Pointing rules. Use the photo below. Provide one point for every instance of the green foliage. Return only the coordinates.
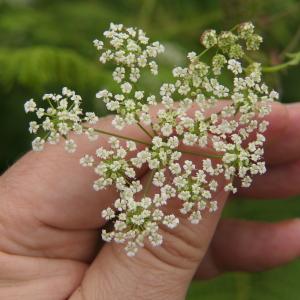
(23, 67)
(279, 284)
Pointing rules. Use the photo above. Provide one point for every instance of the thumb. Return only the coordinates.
(163, 272)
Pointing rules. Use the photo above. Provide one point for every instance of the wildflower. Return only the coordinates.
(62, 117)
(139, 52)
(228, 137)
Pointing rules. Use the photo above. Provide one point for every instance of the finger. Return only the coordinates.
(251, 247)
(283, 135)
(168, 269)
(56, 189)
(22, 235)
(280, 181)
(31, 278)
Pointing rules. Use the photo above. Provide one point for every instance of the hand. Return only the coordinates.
(50, 220)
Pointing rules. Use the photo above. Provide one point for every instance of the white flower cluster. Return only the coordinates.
(63, 116)
(113, 167)
(195, 190)
(199, 116)
(231, 43)
(130, 50)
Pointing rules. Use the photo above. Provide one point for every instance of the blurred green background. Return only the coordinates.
(47, 44)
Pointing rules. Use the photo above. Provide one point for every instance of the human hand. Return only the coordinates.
(49, 224)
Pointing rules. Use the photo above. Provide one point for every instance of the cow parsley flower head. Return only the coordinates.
(130, 49)
(63, 116)
(198, 116)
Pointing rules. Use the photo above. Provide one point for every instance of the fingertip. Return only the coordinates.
(278, 120)
(283, 131)
(293, 110)
(250, 246)
(292, 230)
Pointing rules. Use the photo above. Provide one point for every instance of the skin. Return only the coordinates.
(50, 218)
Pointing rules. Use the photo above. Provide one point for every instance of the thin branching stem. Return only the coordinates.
(119, 136)
(200, 154)
(204, 51)
(148, 184)
(276, 68)
(144, 130)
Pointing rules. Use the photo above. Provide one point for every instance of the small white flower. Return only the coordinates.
(33, 127)
(30, 106)
(170, 221)
(213, 206)
(131, 249)
(87, 161)
(235, 66)
(139, 95)
(191, 55)
(91, 118)
(167, 129)
(98, 44)
(153, 67)
(155, 239)
(92, 134)
(38, 144)
(70, 146)
(40, 113)
(107, 236)
(126, 87)
(131, 146)
(195, 217)
(108, 214)
(103, 94)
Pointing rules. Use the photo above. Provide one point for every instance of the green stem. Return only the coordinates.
(119, 136)
(50, 103)
(207, 49)
(144, 130)
(148, 144)
(292, 44)
(201, 154)
(148, 184)
(276, 68)
(234, 27)
(154, 131)
(203, 52)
